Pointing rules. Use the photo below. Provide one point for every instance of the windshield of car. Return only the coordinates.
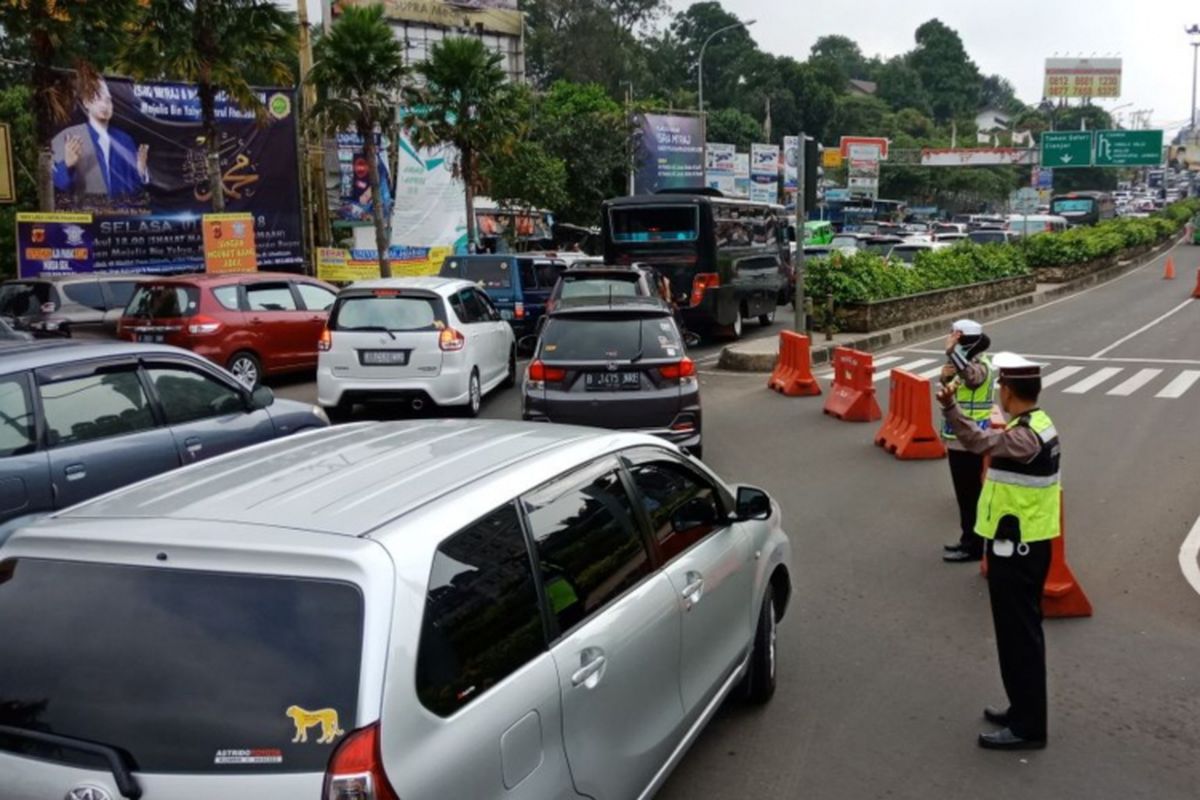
(988, 237)
(880, 247)
(655, 223)
(845, 241)
(158, 300)
(610, 338)
(185, 670)
(24, 299)
(907, 254)
(612, 285)
(388, 310)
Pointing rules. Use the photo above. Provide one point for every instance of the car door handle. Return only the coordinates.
(588, 674)
(692, 591)
(256, 321)
(193, 446)
(75, 472)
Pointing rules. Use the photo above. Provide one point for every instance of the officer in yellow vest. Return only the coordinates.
(1018, 515)
(968, 368)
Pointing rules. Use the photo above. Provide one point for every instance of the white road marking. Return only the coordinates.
(1092, 381)
(1188, 552)
(909, 367)
(1140, 379)
(1143, 329)
(1181, 384)
(930, 373)
(1060, 375)
(879, 362)
(1186, 362)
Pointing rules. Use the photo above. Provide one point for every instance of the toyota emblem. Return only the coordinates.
(88, 791)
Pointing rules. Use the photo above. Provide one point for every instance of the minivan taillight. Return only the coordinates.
(684, 369)
(355, 769)
(519, 311)
(702, 283)
(451, 340)
(538, 371)
(203, 325)
(326, 340)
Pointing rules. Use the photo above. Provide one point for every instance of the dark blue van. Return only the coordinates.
(518, 285)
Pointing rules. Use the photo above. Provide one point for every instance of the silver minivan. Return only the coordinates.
(428, 609)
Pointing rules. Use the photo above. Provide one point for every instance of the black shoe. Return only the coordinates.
(995, 716)
(1005, 739)
(959, 556)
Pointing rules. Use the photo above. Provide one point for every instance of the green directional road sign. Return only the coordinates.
(1066, 149)
(1129, 148)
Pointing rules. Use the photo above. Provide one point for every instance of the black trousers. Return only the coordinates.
(966, 471)
(1015, 586)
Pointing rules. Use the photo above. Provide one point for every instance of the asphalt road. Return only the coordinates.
(887, 655)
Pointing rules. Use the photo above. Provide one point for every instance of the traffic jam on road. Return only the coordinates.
(403, 405)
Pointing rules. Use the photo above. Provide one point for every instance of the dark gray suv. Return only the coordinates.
(621, 364)
(78, 419)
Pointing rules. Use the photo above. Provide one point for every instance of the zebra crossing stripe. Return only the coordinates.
(929, 373)
(1136, 382)
(1181, 384)
(1092, 381)
(910, 366)
(1059, 375)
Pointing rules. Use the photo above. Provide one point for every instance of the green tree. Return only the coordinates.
(219, 45)
(68, 42)
(843, 52)
(995, 91)
(731, 126)
(726, 57)
(858, 115)
(950, 78)
(464, 102)
(359, 73)
(900, 85)
(525, 176)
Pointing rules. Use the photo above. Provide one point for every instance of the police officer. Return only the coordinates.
(969, 369)
(1018, 515)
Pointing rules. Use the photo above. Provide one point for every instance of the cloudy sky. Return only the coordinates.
(1009, 37)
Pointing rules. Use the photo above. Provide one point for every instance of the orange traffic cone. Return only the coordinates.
(1169, 269)
(1196, 291)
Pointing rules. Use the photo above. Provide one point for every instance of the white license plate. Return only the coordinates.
(384, 358)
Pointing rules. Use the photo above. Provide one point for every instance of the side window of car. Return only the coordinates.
(472, 308)
(482, 621)
(683, 508)
(589, 549)
(316, 298)
(456, 304)
(548, 272)
(16, 417)
(187, 395)
(270, 297)
(227, 296)
(110, 403)
(528, 274)
(119, 292)
(85, 293)
(489, 311)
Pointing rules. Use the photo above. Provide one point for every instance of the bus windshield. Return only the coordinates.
(655, 223)
(1082, 205)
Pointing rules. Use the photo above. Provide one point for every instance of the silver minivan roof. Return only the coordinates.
(346, 480)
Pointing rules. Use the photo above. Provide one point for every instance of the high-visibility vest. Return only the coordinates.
(976, 404)
(1029, 491)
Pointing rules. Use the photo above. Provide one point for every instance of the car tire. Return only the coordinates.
(758, 686)
(246, 367)
(768, 319)
(474, 396)
(697, 452)
(510, 380)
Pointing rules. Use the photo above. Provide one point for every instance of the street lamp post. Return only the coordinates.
(700, 89)
(1195, 33)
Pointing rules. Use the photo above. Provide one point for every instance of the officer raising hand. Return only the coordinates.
(1018, 516)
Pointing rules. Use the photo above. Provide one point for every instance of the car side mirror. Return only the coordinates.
(261, 398)
(752, 503)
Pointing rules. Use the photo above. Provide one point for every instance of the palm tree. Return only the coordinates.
(463, 102)
(219, 45)
(359, 72)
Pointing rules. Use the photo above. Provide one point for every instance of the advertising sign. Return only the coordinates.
(764, 173)
(670, 153)
(1042, 178)
(831, 158)
(791, 158)
(862, 178)
(362, 263)
(429, 206)
(721, 170)
(1082, 77)
(8, 188)
(879, 143)
(133, 156)
(741, 175)
(1185, 156)
(229, 243)
(337, 265)
(975, 156)
(494, 16)
(355, 204)
(54, 243)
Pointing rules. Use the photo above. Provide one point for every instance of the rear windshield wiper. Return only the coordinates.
(371, 329)
(127, 785)
(641, 351)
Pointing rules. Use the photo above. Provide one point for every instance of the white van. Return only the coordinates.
(1023, 225)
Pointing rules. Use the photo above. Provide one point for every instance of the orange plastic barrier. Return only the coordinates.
(793, 371)
(1062, 596)
(1169, 269)
(908, 430)
(1196, 291)
(852, 395)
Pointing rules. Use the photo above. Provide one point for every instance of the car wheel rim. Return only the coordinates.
(244, 370)
(771, 642)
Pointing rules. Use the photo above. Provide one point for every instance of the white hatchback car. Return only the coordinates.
(415, 341)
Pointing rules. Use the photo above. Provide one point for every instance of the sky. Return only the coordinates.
(1011, 38)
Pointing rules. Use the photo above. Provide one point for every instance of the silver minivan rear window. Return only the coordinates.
(184, 671)
(388, 310)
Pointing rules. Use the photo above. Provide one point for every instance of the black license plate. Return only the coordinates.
(612, 381)
(151, 337)
(384, 358)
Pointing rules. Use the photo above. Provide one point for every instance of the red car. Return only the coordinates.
(254, 324)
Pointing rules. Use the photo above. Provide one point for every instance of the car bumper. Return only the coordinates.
(448, 388)
(536, 409)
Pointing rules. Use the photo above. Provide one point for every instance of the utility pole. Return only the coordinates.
(1195, 33)
(798, 261)
(316, 217)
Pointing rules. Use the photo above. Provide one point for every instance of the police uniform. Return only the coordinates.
(976, 387)
(1019, 516)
